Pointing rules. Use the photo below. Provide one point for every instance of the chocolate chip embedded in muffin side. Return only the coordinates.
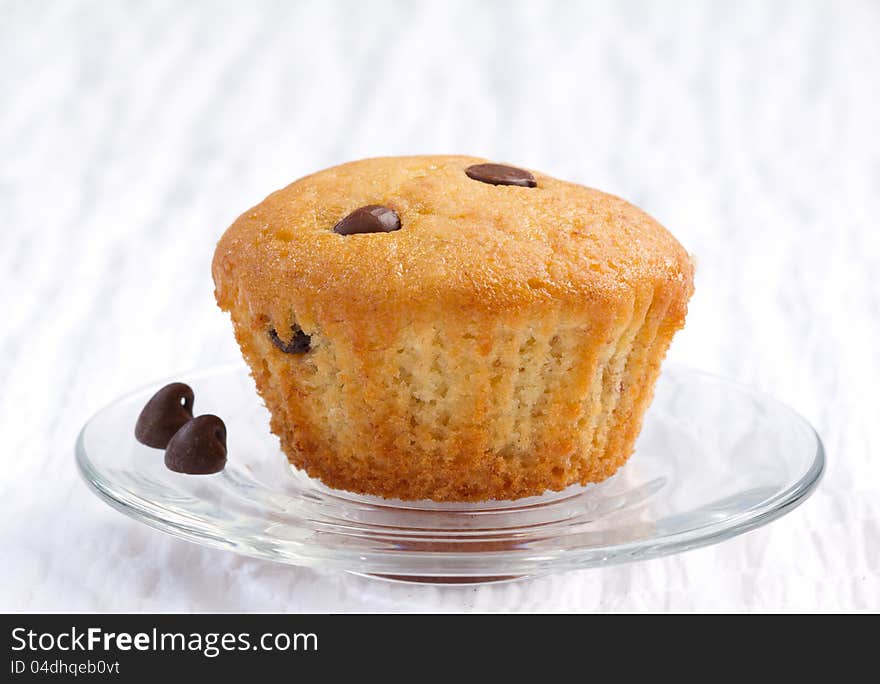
(199, 447)
(373, 218)
(500, 174)
(165, 413)
(300, 343)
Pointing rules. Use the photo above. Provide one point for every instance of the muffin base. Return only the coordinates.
(469, 415)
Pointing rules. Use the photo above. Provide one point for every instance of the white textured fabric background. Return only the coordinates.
(133, 133)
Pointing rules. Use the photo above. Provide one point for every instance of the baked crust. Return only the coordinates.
(503, 342)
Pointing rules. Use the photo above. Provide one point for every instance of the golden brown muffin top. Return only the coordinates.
(464, 246)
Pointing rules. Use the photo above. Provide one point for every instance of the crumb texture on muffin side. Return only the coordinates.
(503, 342)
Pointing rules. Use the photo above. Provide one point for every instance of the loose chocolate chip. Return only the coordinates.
(299, 343)
(499, 174)
(373, 218)
(198, 448)
(165, 413)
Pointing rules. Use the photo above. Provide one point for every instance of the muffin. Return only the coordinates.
(441, 327)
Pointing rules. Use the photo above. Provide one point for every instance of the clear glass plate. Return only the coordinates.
(715, 459)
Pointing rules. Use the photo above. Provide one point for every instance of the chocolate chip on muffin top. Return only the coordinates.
(373, 218)
(500, 174)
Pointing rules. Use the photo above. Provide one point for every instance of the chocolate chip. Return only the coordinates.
(299, 343)
(373, 218)
(165, 413)
(198, 448)
(499, 174)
